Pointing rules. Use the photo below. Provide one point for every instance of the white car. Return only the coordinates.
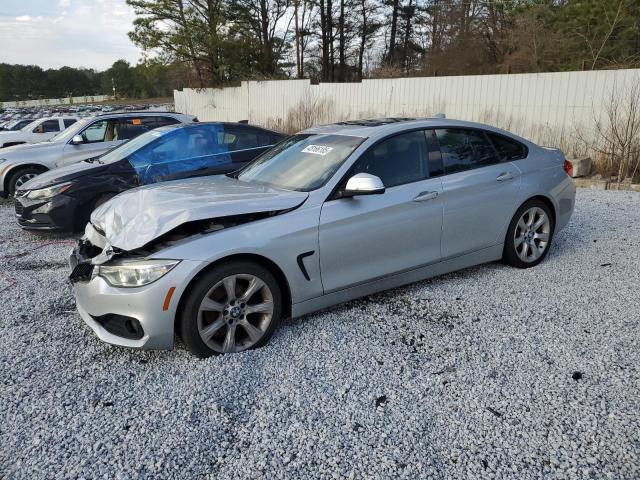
(37, 131)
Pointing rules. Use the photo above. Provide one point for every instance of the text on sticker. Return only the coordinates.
(317, 149)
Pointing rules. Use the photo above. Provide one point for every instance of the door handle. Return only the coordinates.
(424, 196)
(505, 176)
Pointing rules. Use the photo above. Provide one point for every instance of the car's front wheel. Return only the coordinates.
(529, 235)
(20, 177)
(234, 307)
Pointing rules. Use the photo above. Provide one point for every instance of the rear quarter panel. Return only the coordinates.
(543, 175)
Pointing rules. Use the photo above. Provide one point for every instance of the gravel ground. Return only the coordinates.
(491, 372)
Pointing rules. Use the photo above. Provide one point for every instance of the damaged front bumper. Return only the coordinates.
(136, 317)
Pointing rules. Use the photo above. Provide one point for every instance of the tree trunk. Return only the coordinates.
(297, 27)
(325, 42)
(341, 47)
(363, 38)
(407, 33)
(332, 76)
(394, 27)
(267, 60)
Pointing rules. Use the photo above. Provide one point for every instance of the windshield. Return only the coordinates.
(29, 126)
(302, 162)
(68, 133)
(127, 148)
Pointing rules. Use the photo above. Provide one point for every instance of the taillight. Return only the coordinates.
(568, 167)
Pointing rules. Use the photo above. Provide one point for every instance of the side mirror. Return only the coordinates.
(38, 129)
(77, 140)
(363, 184)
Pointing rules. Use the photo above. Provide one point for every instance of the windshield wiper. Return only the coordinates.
(92, 160)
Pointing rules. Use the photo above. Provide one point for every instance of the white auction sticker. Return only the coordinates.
(317, 149)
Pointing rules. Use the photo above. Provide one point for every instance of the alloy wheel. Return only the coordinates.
(532, 233)
(22, 179)
(235, 314)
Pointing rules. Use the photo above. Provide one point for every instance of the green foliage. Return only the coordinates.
(148, 79)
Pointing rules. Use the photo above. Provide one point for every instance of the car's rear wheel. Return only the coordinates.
(232, 308)
(529, 235)
(20, 177)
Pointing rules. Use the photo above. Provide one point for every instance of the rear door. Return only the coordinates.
(480, 191)
(372, 236)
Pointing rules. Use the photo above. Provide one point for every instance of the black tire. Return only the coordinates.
(17, 174)
(511, 256)
(189, 316)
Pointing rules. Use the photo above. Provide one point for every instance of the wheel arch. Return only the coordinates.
(547, 201)
(265, 262)
(20, 166)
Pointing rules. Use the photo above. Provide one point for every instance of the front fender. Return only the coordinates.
(289, 240)
(7, 168)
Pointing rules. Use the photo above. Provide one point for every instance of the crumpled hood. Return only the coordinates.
(136, 217)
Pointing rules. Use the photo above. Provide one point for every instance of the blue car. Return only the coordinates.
(63, 199)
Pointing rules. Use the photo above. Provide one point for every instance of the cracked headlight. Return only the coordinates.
(135, 273)
(48, 192)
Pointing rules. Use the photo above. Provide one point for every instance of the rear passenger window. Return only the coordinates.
(50, 126)
(132, 127)
(507, 148)
(243, 139)
(68, 122)
(396, 160)
(465, 149)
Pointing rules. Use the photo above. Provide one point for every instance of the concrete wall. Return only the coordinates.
(45, 102)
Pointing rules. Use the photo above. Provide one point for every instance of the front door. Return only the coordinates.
(98, 138)
(372, 236)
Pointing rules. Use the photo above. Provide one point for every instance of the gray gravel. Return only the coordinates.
(491, 372)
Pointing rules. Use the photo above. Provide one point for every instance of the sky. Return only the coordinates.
(76, 33)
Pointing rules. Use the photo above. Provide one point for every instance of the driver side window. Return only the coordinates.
(397, 160)
(95, 132)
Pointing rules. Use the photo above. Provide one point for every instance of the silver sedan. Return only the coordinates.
(328, 215)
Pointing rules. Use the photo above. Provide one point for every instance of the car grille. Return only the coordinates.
(82, 271)
(19, 208)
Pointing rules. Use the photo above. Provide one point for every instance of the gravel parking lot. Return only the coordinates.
(491, 372)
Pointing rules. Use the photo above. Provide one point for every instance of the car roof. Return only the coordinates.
(381, 127)
(234, 124)
(143, 113)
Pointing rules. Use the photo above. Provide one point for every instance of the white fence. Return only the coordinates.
(49, 102)
(548, 108)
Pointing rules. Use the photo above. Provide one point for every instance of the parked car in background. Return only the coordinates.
(14, 125)
(63, 199)
(328, 215)
(87, 138)
(37, 131)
